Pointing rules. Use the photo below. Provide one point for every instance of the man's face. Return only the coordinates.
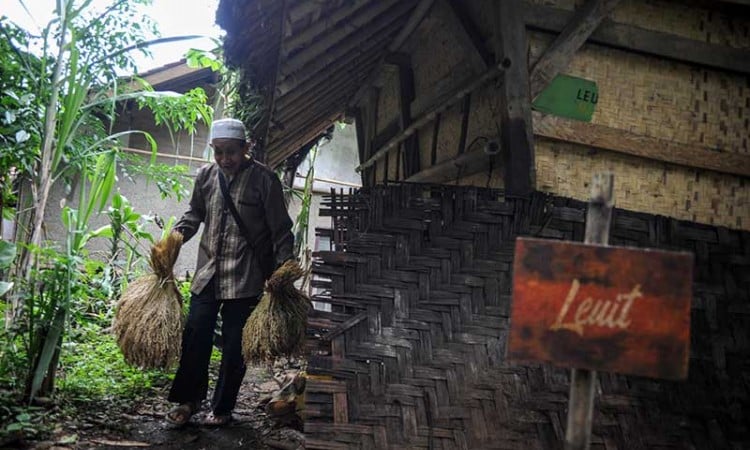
(229, 154)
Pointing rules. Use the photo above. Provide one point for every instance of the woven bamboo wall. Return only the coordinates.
(665, 189)
(663, 99)
(413, 353)
(682, 18)
(641, 94)
(388, 96)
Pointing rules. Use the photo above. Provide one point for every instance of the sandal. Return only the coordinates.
(181, 414)
(216, 420)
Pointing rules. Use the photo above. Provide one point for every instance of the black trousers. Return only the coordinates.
(191, 381)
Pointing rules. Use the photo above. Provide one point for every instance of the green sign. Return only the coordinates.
(570, 97)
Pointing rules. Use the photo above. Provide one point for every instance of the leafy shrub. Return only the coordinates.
(92, 368)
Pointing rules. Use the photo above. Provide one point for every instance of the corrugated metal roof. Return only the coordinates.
(309, 57)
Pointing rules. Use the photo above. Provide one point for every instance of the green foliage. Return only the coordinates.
(20, 112)
(60, 91)
(241, 98)
(184, 287)
(93, 369)
(301, 224)
(7, 255)
(246, 103)
(18, 420)
(172, 181)
(13, 357)
(59, 108)
(176, 111)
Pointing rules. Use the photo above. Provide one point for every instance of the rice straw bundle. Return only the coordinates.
(277, 325)
(148, 320)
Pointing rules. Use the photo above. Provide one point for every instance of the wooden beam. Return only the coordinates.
(559, 55)
(321, 26)
(388, 133)
(307, 101)
(441, 90)
(302, 9)
(338, 61)
(359, 124)
(622, 141)
(737, 2)
(316, 106)
(477, 55)
(270, 96)
(416, 17)
(376, 17)
(371, 127)
(517, 139)
(442, 102)
(601, 137)
(406, 96)
(465, 111)
(629, 37)
(434, 143)
(297, 124)
(282, 149)
(465, 164)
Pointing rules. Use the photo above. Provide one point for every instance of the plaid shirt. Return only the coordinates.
(239, 267)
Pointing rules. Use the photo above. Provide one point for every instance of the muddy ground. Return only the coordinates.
(142, 425)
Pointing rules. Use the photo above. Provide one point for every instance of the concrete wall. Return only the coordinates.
(145, 199)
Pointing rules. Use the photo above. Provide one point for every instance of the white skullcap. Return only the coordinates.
(227, 129)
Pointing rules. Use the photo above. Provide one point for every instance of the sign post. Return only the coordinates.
(592, 307)
(583, 381)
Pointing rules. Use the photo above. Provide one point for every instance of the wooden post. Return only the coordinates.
(557, 57)
(517, 137)
(406, 97)
(583, 382)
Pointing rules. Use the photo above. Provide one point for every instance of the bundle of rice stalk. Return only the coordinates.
(148, 319)
(277, 325)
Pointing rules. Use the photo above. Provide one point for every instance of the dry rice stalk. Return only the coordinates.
(164, 254)
(148, 320)
(277, 325)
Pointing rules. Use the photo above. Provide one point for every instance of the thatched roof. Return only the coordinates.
(328, 49)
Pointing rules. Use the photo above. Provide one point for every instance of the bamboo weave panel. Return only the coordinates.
(414, 348)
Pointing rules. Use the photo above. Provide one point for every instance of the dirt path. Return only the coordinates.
(143, 425)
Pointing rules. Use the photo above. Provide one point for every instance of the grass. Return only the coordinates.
(93, 378)
(93, 368)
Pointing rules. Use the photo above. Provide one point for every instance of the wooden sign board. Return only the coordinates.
(602, 308)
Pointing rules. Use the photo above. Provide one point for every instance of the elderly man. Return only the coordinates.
(246, 235)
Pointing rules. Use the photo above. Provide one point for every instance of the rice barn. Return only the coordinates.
(460, 155)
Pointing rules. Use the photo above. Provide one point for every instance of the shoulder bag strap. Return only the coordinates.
(233, 209)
